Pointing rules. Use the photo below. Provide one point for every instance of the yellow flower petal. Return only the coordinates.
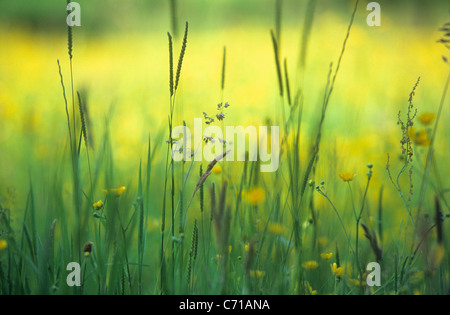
(217, 169)
(98, 205)
(310, 265)
(337, 271)
(427, 118)
(347, 177)
(3, 245)
(275, 229)
(256, 273)
(419, 137)
(310, 289)
(115, 191)
(326, 256)
(254, 195)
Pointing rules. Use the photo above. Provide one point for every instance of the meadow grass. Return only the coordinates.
(225, 227)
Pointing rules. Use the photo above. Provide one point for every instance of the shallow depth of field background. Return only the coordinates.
(121, 64)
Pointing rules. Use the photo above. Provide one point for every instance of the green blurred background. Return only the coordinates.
(121, 58)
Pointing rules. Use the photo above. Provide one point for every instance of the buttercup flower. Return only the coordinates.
(426, 118)
(98, 205)
(217, 169)
(310, 265)
(310, 290)
(347, 177)
(254, 195)
(337, 271)
(3, 245)
(275, 229)
(323, 241)
(115, 191)
(419, 137)
(256, 273)
(326, 256)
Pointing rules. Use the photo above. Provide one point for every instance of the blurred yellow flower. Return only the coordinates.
(275, 229)
(3, 245)
(254, 195)
(347, 177)
(419, 137)
(98, 205)
(310, 265)
(326, 256)
(323, 241)
(310, 290)
(337, 271)
(115, 191)
(256, 273)
(357, 282)
(217, 169)
(427, 118)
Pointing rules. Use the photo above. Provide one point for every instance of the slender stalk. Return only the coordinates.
(429, 158)
(323, 193)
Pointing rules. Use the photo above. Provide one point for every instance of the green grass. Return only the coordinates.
(189, 228)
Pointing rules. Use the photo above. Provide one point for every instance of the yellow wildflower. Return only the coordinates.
(254, 195)
(326, 256)
(217, 169)
(115, 191)
(310, 265)
(337, 271)
(347, 177)
(275, 229)
(427, 118)
(98, 205)
(311, 291)
(229, 249)
(323, 241)
(3, 245)
(419, 137)
(256, 273)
